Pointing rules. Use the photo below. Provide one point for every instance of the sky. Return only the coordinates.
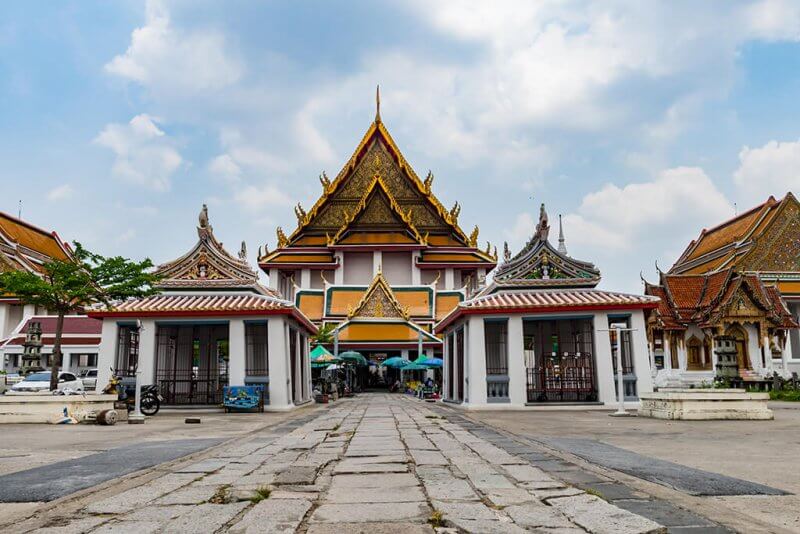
(640, 122)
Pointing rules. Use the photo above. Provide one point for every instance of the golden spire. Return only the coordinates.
(377, 103)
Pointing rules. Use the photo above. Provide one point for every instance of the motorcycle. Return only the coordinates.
(151, 400)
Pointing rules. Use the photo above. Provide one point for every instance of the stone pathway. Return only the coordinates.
(375, 464)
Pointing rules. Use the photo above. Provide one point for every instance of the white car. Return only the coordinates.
(89, 379)
(37, 382)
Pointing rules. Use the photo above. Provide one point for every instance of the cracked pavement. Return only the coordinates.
(376, 463)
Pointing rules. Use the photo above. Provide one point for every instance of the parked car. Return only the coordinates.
(89, 379)
(12, 378)
(41, 382)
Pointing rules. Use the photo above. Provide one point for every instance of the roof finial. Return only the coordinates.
(377, 103)
(562, 247)
(543, 228)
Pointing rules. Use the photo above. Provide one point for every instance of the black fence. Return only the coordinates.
(564, 378)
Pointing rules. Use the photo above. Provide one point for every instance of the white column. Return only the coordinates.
(338, 274)
(475, 362)
(28, 310)
(445, 365)
(147, 352)
(767, 353)
(107, 352)
(278, 369)
(5, 329)
(641, 356)
(377, 261)
(298, 364)
(236, 352)
(448, 279)
(416, 275)
(404, 354)
(667, 352)
(305, 278)
(274, 278)
(517, 375)
(682, 357)
(66, 361)
(602, 353)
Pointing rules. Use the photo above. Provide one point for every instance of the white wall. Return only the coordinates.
(397, 267)
(358, 267)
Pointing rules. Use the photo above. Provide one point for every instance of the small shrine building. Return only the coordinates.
(211, 325)
(539, 333)
(377, 256)
(737, 284)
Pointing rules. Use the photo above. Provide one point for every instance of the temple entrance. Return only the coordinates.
(559, 356)
(192, 363)
(739, 336)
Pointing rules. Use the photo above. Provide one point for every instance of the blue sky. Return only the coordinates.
(640, 122)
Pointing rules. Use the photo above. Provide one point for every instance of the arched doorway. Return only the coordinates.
(740, 338)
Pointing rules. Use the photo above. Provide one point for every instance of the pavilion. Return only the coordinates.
(539, 333)
(211, 325)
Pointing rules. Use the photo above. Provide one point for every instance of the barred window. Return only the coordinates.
(495, 334)
(256, 353)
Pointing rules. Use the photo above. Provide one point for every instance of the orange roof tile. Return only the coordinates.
(31, 237)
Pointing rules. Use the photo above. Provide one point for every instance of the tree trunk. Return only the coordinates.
(55, 367)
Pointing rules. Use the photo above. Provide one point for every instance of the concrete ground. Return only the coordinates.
(378, 463)
(764, 452)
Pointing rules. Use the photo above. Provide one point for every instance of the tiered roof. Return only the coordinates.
(26, 247)
(707, 299)
(376, 200)
(763, 239)
(544, 279)
(205, 281)
(77, 330)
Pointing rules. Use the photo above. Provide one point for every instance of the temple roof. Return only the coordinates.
(733, 242)
(24, 246)
(379, 302)
(539, 264)
(77, 330)
(209, 266)
(707, 299)
(376, 199)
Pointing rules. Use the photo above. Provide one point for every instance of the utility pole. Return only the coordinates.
(618, 329)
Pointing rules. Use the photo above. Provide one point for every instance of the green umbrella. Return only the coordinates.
(413, 367)
(319, 365)
(318, 351)
(396, 362)
(354, 357)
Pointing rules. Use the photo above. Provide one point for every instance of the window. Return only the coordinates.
(84, 360)
(127, 351)
(621, 341)
(256, 355)
(496, 338)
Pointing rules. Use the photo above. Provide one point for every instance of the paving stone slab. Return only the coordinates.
(664, 513)
(428, 457)
(296, 475)
(372, 480)
(465, 510)
(484, 526)
(347, 467)
(371, 512)
(509, 496)
(272, 515)
(135, 497)
(72, 526)
(205, 518)
(371, 495)
(598, 516)
(369, 528)
(551, 493)
(612, 491)
(193, 494)
(527, 473)
(206, 466)
(152, 513)
(128, 527)
(537, 515)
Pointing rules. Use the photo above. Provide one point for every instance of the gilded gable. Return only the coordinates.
(379, 302)
(778, 249)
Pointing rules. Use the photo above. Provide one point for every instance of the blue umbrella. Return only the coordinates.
(395, 362)
(432, 362)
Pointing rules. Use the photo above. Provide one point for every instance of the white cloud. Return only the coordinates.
(174, 62)
(677, 200)
(254, 198)
(225, 168)
(771, 169)
(61, 192)
(144, 154)
(774, 19)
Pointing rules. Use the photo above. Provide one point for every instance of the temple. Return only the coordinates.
(541, 333)
(377, 255)
(735, 289)
(212, 324)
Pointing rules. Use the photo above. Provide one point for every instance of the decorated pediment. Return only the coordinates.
(378, 211)
(379, 302)
(539, 263)
(208, 262)
(777, 249)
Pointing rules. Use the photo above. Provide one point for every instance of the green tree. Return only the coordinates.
(65, 287)
(324, 335)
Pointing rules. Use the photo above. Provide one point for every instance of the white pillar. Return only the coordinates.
(475, 362)
(448, 279)
(517, 374)
(667, 352)
(147, 352)
(338, 274)
(445, 365)
(605, 368)
(236, 352)
(641, 354)
(305, 278)
(767, 353)
(274, 278)
(298, 364)
(416, 276)
(66, 361)
(278, 368)
(5, 329)
(28, 310)
(107, 352)
(377, 261)
(404, 354)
